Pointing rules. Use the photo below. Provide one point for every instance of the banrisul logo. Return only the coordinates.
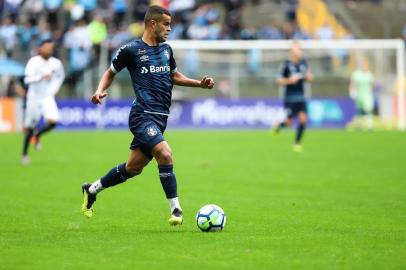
(144, 70)
(155, 69)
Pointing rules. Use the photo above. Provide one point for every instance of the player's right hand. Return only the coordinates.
(47, 77)
(294, 79)
(97, 97)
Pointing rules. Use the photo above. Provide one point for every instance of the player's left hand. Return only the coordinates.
(207, 82)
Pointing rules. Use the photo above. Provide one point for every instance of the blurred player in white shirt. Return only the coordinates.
(44, 76)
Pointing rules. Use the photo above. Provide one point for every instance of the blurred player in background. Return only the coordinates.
(44, 76)
(361, 90)
(293, 74)
(153, 72)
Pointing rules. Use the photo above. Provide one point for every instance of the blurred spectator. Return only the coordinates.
(136, 29)
(77, 41)
(88, 6)
(34, 9)
(301, 34)
(12, 7)
(118, 37)
(233, 18)
(290, 7)
(8, 35)
(204, 25)
(139, 9)
(52, 8)
(26, 34)
(44, 32)
(77, 12)
(325, 32)
(270, 32)
(177, 6)
(179, 28)
(98, 33)
(119, 9)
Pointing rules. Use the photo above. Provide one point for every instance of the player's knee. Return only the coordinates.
(303, 119)
(165, 157)
(133, 169)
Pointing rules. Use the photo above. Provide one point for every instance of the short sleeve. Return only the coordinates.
(172, 62)
(283, 71)
(120, 60)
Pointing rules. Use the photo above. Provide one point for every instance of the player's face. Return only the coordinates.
(162, 28)
(296, 53)
(47, 49)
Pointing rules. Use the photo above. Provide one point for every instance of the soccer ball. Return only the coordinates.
(211, 218)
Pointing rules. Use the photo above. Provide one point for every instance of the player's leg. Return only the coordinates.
(28, 133)
(31, 118)
(287, 122)
(163, 155)
(51, 115)
(302, 117)
(368, 109)
(117, 175)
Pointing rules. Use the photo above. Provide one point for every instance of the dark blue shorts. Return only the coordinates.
(293, 108)
(148, 130)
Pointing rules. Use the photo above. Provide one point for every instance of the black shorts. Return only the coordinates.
(293, 108)
(148, 130)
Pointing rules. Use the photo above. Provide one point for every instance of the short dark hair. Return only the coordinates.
(154, 13)
(47, 40)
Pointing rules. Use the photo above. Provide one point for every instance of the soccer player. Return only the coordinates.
(153, 72)
(293, 75)
(44, 76)
(361, 90)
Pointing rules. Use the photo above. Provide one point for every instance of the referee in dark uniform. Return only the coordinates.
(293, 74)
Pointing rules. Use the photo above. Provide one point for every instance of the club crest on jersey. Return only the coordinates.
(166, 54)
(142, 51)
(144, 58)
(151, 131)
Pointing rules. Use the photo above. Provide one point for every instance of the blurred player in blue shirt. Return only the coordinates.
(293, 74)
(153, 73)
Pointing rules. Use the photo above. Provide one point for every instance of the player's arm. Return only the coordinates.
(180, 79)
(285, 77)
(58, 78)
(352, 89)
(32, 74)
(292, 79)
(309, 76)
(104, 83)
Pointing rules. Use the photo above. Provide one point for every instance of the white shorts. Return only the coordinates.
(37, 108)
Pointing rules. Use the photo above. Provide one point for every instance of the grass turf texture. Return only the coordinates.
(340, 204)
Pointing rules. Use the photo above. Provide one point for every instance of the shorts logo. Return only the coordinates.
(151, 131)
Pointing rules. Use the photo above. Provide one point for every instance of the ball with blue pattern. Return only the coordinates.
(211, 218)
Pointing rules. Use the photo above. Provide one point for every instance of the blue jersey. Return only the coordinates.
(294, 92)
(151, 69)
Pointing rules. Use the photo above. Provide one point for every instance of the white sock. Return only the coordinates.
(174, 203)
(96, 187)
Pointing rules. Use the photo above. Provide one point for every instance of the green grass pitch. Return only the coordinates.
(340, 204)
